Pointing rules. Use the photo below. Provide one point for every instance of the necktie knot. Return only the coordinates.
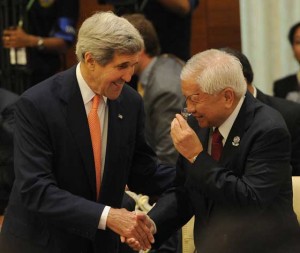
(217, 136)
(216, 145)
(95, 102)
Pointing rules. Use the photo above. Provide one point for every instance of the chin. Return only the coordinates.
(114, 96)
(202, 123)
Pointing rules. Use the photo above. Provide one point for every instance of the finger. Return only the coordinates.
(175, 131)
(143, 234)
(147, 239)
(175, 126)
(122, 239)
(137, 233)
(134, 244)
(147, 226)
(173, 123)
(144, 231)
(182, 122)
(149, 223)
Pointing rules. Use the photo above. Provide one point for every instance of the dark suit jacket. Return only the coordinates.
(243, 203)
(53, 203)
(290, 111)
(7, 100)
(285, 85)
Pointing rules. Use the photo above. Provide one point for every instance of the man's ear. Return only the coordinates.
(89, 60)
(229, 96)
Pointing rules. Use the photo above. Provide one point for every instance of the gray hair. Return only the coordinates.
(214, 70)
(104, 34)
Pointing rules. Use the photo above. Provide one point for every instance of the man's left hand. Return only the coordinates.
(184, 138)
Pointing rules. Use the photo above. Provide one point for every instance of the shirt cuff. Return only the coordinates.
(103, 218)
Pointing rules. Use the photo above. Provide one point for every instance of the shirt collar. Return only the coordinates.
(254, 91)
(86, 92)
(225, 128)
(298, 76)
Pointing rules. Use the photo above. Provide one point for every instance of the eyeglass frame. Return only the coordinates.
(190, 98)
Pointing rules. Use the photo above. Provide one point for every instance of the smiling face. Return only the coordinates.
(109, 80)
(208, 109)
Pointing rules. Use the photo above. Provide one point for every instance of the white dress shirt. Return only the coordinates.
(87, 96)
(225, 128)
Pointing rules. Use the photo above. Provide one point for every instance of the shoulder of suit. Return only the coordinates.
(170, 58)
(285, 79)
(7, 98)
(129, 92)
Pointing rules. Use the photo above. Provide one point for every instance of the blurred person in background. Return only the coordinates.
(44, 31)
(288, 87)
(172, 20)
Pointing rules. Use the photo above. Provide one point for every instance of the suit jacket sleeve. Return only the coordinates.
(6, 155)
(295, 134)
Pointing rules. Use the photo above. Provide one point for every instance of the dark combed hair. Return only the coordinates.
(247, 69)
(147, 31)
(292, 32)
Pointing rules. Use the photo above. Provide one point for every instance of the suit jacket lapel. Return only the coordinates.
(114, 137)
(235, 137)
(238, 129)
(77, 122)
(230, 149)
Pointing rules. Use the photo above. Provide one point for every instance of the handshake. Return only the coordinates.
(135, 228)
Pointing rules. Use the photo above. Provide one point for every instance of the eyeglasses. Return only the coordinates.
(194, 98)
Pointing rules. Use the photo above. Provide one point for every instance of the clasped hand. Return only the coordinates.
(135, 228)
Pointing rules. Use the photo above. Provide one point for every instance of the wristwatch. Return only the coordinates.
(40, 43)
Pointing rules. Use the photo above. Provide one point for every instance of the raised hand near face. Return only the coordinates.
(184, 138)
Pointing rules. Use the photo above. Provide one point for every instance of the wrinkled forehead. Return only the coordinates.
(120, 58)
(190, 86)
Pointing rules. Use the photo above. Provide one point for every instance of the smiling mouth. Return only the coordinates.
(199, 117)
(118, 83)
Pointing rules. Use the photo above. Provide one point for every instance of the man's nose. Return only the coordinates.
(128, 74)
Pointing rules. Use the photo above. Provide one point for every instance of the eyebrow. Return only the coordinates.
(124, 64)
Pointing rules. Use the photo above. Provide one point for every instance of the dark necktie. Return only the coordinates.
(216, 145)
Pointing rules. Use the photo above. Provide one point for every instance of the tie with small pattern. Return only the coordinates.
(95, 131)
(216, 145)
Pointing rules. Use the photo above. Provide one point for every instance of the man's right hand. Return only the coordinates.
(131, 225)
